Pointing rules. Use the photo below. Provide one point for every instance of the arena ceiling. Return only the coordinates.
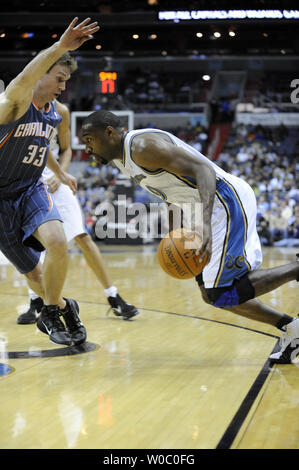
(133, 28)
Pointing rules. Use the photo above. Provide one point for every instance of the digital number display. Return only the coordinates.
(108, 81)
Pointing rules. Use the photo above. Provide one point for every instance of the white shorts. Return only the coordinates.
(236, 248)
(69, 209)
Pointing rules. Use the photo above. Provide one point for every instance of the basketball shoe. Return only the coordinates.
(49, 323)
(121, 308)
(288, 343)
(73, 323)
(32, 313)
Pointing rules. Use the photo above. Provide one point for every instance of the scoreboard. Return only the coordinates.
(108, 82)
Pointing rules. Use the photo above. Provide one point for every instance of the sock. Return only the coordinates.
(285, 320)
(111, 291)
(32, 294)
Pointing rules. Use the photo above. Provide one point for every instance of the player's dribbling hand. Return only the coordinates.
(205, 250)
(74, 36)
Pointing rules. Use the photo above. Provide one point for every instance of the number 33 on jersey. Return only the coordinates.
(36, 155)
(24, 146)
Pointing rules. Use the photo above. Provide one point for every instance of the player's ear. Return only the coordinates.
(109, 131)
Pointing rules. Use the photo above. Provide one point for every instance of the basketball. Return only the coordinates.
(176, 254)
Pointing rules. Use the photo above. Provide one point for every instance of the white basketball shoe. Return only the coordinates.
(289, 344)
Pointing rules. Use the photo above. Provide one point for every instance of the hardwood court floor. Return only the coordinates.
(182, 375)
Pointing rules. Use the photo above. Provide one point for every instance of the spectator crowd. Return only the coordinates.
(267, 158)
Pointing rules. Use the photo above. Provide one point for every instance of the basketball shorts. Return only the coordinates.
(236, 248)
(69, 209)
(19, 219)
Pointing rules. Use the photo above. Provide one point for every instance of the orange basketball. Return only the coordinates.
(176, 254)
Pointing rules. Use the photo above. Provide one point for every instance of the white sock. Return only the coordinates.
(42, 256)
(32, 294)
(111, 291)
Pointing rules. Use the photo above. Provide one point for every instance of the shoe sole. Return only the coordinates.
(77, 343)
(134, 313)
(69, 343)
(26, 322)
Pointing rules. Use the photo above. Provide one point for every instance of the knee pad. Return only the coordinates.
(239, 292)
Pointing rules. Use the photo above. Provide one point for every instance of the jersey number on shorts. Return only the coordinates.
(36, 155)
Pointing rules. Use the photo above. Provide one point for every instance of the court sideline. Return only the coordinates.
(180, 376)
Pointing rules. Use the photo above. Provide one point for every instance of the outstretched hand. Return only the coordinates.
(69, 180)
(74, 36)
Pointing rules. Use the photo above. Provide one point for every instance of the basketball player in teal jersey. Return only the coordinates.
(29, 221)
(164, 164)
(70, 211)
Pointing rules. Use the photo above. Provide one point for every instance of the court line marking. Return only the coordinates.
(258, 402)
(236, 423)
(167, 313)
(213, 321)
(190, 316)
(59, 352)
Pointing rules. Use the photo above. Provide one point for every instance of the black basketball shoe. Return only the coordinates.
(32, 313)
(49, 323)
(72, 320)
(121, 308)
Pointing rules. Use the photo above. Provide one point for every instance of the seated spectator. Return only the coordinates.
(278, 225)
(243, 155)
(286, 210)
(292, 238)
(263, 231)
(263, 205)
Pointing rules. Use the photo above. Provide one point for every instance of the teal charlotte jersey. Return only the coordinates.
(24, 146)
(25, 203)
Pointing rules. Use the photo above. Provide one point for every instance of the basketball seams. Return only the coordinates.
(173, 261)
(166, 263)
(171, 239)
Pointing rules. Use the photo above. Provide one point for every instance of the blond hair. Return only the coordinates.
(68, 61)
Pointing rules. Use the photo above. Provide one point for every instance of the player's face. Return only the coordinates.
(53, 83)
(100, 145)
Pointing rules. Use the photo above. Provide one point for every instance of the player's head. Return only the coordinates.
(53, 83)
(101, 134)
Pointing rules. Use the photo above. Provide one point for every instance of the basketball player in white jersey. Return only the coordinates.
(73, 224)
(165, 165)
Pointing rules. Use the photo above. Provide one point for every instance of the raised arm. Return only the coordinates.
(16, 99)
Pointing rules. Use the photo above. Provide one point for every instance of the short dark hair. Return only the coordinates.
(67, 60)
(101, 119)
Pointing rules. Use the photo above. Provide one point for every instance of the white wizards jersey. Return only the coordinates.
(54, 147)
(234, 210)
(179, 190)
